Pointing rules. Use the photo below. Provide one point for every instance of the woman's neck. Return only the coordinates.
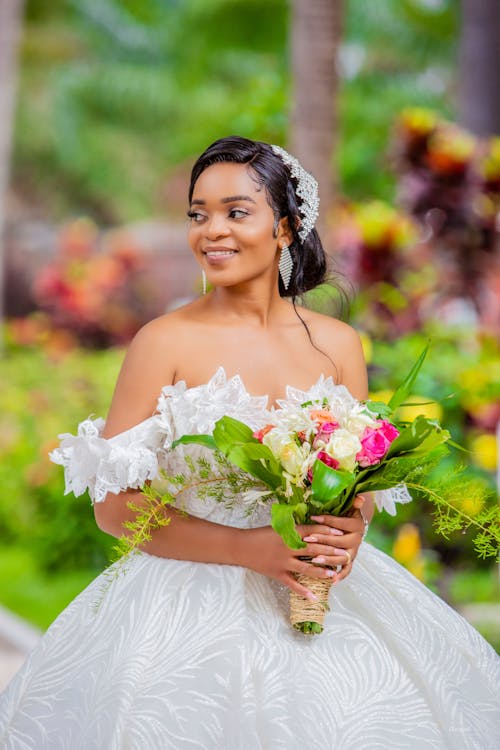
(253, 303)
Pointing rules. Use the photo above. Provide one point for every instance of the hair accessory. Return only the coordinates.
(285, 266)
(307, 190)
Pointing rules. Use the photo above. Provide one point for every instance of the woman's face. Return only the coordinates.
(231, 230)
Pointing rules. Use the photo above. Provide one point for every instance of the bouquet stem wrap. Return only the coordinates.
(305, 615)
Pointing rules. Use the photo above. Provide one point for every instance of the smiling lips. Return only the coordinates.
(214, 254)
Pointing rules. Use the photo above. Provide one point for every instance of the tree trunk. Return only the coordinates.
(315, 38)
(10, 30)
(479, 67)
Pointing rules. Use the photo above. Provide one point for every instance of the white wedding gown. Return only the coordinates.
(177, 655)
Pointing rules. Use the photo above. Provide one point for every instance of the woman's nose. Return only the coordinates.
(216, 226)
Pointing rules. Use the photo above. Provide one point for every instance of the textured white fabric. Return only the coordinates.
(177, 655)
(129, 459)
(109, 465)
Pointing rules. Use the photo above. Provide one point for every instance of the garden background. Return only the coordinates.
(393, 104)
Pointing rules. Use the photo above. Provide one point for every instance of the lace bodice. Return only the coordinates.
(129, 459)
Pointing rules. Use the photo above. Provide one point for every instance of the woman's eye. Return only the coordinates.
(195, 216)
(237, 213)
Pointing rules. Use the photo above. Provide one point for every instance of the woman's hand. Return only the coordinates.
(347, 534)
(263, 550)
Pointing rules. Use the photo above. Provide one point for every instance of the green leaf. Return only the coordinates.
(259, 452)
(419, 437)
(238, 455)
(328, 483)
(300, 512)
(379, 408)
(206, 440)
(402, 392)
(283, 523)
(229, 432)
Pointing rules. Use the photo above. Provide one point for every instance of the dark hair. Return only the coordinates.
(269, 171)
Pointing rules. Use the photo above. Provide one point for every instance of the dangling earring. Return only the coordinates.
(204, 281)
(285, 266)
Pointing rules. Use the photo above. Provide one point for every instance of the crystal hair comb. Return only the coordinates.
(307, 191)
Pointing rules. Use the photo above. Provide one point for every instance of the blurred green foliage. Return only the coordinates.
(112, 89)
(40, 399)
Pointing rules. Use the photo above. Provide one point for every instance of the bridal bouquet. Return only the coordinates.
(315, 457)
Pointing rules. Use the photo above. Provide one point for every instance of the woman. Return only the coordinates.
(191, 648)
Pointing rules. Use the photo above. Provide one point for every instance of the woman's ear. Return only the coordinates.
(284, 233)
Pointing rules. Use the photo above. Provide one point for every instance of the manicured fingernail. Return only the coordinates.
(309, 539)
(330, 573)
(311, 596)
(338, 532)
(318, 559)
(337, 551)
(320, 519)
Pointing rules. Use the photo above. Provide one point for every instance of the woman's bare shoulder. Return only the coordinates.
(342, 343)
(334, 330)
(166, 327)
(149, 364)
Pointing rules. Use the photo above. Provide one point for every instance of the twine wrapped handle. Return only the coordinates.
(306, 615)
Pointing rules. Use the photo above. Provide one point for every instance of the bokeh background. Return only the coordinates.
(104, 105)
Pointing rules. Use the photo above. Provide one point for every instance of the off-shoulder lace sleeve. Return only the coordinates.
(104, 465)
(387, 499)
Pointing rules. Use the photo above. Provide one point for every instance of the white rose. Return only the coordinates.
(294, 421)
(344, 446)
(276, 441)
(292, 457)
(358, 424)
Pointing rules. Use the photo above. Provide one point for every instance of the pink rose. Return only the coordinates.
(327, 428)
(374, 447)
(328, 460)
(325, 431)
(376, 442)
(387, 429)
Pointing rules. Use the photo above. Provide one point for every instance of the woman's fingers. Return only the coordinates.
(307, 568)
(340, 523)
(317, 540)
(359, 501)
(334, 555)
(289, 580)
(346, 569)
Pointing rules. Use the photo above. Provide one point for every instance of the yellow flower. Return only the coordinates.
(484, 451)
(407, 545)
(472, 505)
(419, 120)
(430, 410)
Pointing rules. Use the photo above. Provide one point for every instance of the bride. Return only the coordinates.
(192, 647)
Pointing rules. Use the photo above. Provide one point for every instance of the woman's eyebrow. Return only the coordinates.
(229, 199)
